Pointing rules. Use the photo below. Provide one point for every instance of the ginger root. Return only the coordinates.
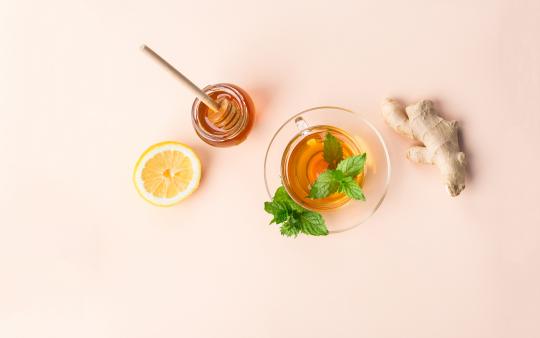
(439, 137)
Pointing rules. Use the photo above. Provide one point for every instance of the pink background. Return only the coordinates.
(82, 255)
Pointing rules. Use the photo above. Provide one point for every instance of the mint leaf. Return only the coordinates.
(332, 151)
(341, 179)
(313, 224)
(351, 188)
(291, 228)
(278, 209)
(271, 207)
(352, 166)
(326, 184)
(293, 218)
(281, 195)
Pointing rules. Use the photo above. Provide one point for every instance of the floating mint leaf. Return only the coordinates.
(326, 184)
(332, 151)
(352, 166)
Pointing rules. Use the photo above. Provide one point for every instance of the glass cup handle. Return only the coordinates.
(301, 125)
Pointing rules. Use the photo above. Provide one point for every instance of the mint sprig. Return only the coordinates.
(342, 177)
(294, 219)
(332, 181)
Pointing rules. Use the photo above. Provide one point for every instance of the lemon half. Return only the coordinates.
(166, 173)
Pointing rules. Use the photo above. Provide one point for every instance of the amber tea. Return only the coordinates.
(303, 161)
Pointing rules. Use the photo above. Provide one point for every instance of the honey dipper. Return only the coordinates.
(223, 114)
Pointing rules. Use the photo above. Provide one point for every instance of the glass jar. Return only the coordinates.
(236, 131)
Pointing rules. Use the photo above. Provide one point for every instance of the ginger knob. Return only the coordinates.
(439, 138)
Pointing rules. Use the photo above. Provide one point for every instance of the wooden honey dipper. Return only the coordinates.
(222, 113)
(227, 115)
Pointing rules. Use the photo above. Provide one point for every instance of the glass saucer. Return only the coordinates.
(369, 139)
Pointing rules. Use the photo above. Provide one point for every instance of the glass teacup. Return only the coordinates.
(294, 159)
